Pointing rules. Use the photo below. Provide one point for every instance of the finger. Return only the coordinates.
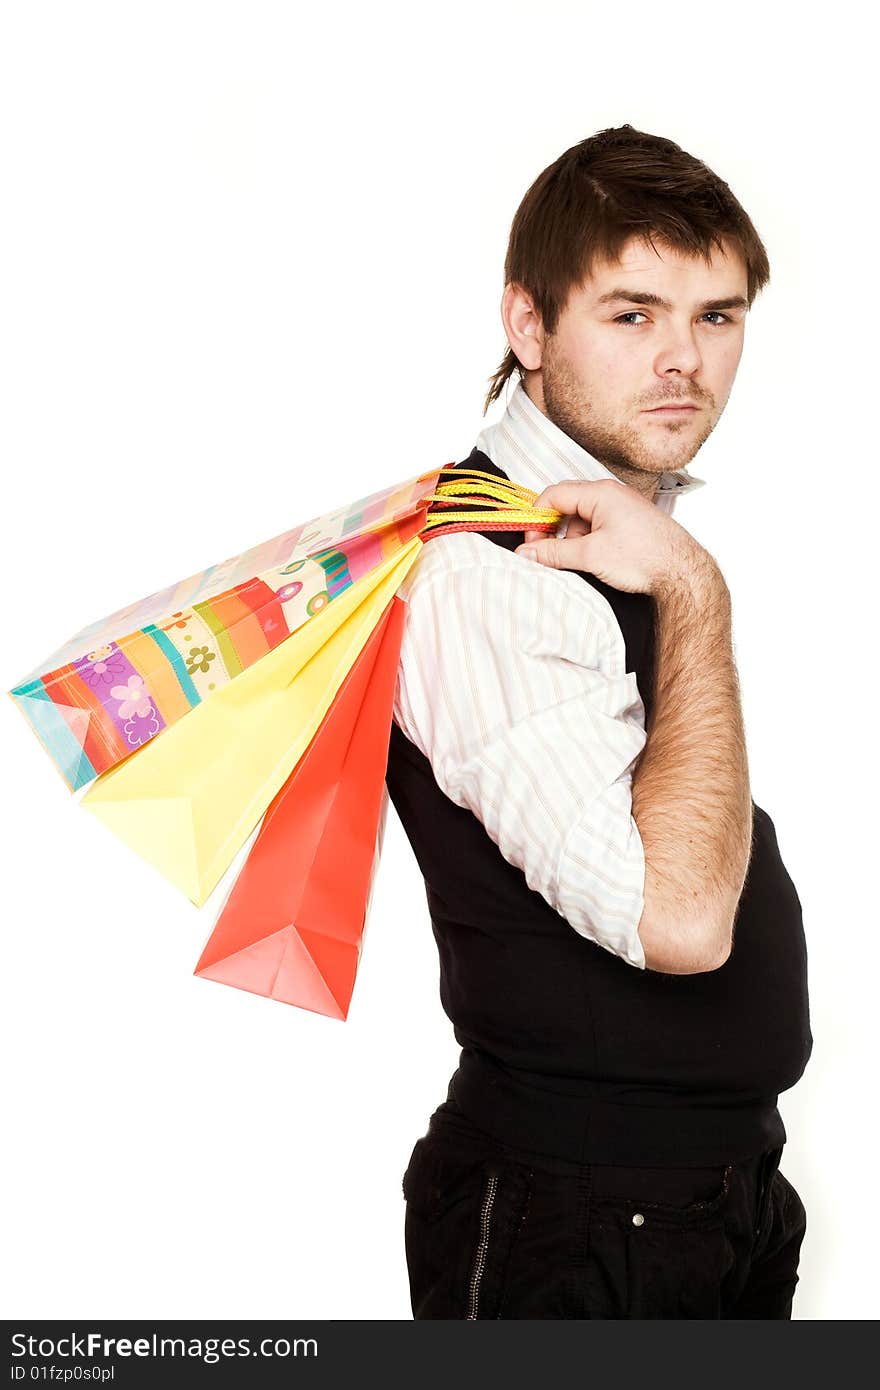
(576, 526)
(574, 498)
(555, 554)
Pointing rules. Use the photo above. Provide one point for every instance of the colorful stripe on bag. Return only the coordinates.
(334, 563)
(176, 663)
(267, 608)
(102, 742)
(98, 706)
(210, 613)
(170, 697)
(114, 683)
(60, 730)
(120, 695)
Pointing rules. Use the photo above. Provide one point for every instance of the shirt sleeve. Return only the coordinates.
(513, 683)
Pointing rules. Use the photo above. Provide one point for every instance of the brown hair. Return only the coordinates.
(587, 204)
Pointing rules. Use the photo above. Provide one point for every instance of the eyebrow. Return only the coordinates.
(733, 301)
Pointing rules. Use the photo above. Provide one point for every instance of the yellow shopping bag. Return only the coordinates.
(188, 801)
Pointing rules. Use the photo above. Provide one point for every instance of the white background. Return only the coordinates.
(251, 269)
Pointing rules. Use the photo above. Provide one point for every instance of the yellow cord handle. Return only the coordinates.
(533, 518)
(515, 512)
(456, 481)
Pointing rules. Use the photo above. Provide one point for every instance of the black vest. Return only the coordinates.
(566, 1048)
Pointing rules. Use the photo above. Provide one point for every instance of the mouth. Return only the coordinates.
(670, 409)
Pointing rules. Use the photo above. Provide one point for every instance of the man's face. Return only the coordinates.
(611, 361)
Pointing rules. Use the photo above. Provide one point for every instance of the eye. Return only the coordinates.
(636, 313)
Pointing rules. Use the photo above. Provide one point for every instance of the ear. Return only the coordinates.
(523, 326)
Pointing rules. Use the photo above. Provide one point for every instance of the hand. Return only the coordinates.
(616, 534)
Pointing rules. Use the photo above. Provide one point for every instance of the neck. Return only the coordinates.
(641, 479)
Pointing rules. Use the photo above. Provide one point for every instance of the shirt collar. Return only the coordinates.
(535, 452)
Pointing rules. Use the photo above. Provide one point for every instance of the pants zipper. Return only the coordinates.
(482, 1247)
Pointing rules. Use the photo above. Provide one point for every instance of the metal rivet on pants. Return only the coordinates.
(638, 1219)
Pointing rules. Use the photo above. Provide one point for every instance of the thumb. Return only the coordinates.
(545, 552)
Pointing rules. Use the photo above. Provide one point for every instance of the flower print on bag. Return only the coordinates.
(166, 627)
(137, 708)
(199, 659)
(134, 698)
(105, 665)
(138, 731)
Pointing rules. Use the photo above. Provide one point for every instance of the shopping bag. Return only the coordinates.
(123, 681)
(291, 928)
(187, 802)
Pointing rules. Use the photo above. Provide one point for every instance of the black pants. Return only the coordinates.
(497, 1232)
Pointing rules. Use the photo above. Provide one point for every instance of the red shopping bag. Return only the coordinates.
(292, 925)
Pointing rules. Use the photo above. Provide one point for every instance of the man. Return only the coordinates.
(621, 947)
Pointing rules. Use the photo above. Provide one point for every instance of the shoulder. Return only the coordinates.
(545, 610)
(449, 554)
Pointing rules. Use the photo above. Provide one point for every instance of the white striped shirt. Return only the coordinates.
(513, 683)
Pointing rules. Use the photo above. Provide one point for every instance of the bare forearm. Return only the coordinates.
(690, 793)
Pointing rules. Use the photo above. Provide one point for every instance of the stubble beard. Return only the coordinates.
(623, 452)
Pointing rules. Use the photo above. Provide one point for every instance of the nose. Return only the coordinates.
(679, 353)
